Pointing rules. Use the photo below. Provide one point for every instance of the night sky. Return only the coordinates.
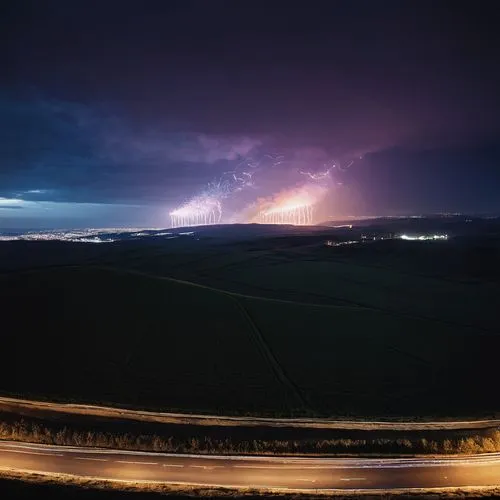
(116, 112)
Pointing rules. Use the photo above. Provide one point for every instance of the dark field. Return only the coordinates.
(385, 329)
(103, 335)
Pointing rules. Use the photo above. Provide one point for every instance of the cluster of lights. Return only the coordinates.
(200, 211)
(331, 243)
(297, 215)
(294, 206)
(55, 237)
(291, 206)
(367, 239)
(424, 237)
(90, 235)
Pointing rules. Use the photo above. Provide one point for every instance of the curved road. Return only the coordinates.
(255, 472)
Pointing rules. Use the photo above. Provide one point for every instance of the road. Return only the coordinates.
(46, 409)
(256, 472)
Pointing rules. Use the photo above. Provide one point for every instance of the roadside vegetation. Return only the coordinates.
(54, 434)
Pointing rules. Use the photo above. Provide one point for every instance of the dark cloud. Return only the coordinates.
(354, 75)
(71, 152)
(404, 180)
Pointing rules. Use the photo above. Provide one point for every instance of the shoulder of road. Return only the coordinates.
(44, 408)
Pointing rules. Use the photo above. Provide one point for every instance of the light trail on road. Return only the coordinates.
(287, 473)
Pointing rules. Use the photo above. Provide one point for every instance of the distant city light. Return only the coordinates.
(90, 235)
(424, 237)
(331, 243)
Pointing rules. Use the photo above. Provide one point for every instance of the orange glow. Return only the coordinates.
(291, 206)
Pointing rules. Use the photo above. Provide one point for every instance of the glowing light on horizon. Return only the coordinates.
(200, 211)
(10, 201)
(297, 216)
(294, 206)
(206, 208)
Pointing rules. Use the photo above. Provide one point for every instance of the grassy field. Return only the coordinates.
(356, 362)
(381, 288)
(389, 340)
(101, 335)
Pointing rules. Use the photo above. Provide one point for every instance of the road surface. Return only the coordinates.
(255, 472)
(44, 409)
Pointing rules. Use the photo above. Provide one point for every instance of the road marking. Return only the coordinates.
(95, 459)
(308, 480)
(255, 467)
(281, 467)
(207, 466)
(34, 453)
(136, 463)
(172, 465)
(353, 478)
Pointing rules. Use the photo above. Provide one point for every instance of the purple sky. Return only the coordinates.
(141, 104)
